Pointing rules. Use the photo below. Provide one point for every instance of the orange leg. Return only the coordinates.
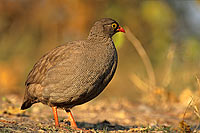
(71, 119)
(55, 116)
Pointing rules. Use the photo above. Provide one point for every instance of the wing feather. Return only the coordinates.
(47, 62)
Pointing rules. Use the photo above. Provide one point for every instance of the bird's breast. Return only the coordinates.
(99, 63)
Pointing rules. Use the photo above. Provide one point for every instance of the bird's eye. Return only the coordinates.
(114, 25)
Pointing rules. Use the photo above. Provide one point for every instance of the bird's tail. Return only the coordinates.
(26, 104)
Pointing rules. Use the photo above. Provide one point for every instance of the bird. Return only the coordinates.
(74, 72)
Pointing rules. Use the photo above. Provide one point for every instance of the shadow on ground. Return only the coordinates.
(104, 125)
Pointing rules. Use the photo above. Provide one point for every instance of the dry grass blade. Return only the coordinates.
(138, 46)
(188, 106)
(198, 81)
(196, 111)
(183, 126)
(139, 83)
(168, 67)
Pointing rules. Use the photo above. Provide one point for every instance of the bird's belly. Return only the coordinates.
(89, 86)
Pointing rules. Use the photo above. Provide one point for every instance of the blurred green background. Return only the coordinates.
(168, 30)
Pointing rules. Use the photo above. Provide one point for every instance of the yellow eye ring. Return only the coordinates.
(114, 25)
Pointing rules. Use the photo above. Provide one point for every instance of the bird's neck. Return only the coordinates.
(100, 37)
(97, 34)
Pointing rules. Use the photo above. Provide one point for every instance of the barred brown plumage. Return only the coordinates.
(76, 72)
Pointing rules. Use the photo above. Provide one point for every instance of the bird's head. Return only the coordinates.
(105, 27)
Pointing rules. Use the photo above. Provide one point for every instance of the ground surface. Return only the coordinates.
(97, 116)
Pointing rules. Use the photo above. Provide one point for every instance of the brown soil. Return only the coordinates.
(96, 116)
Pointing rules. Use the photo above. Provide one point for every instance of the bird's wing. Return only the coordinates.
(49, 61)
(43, 82)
